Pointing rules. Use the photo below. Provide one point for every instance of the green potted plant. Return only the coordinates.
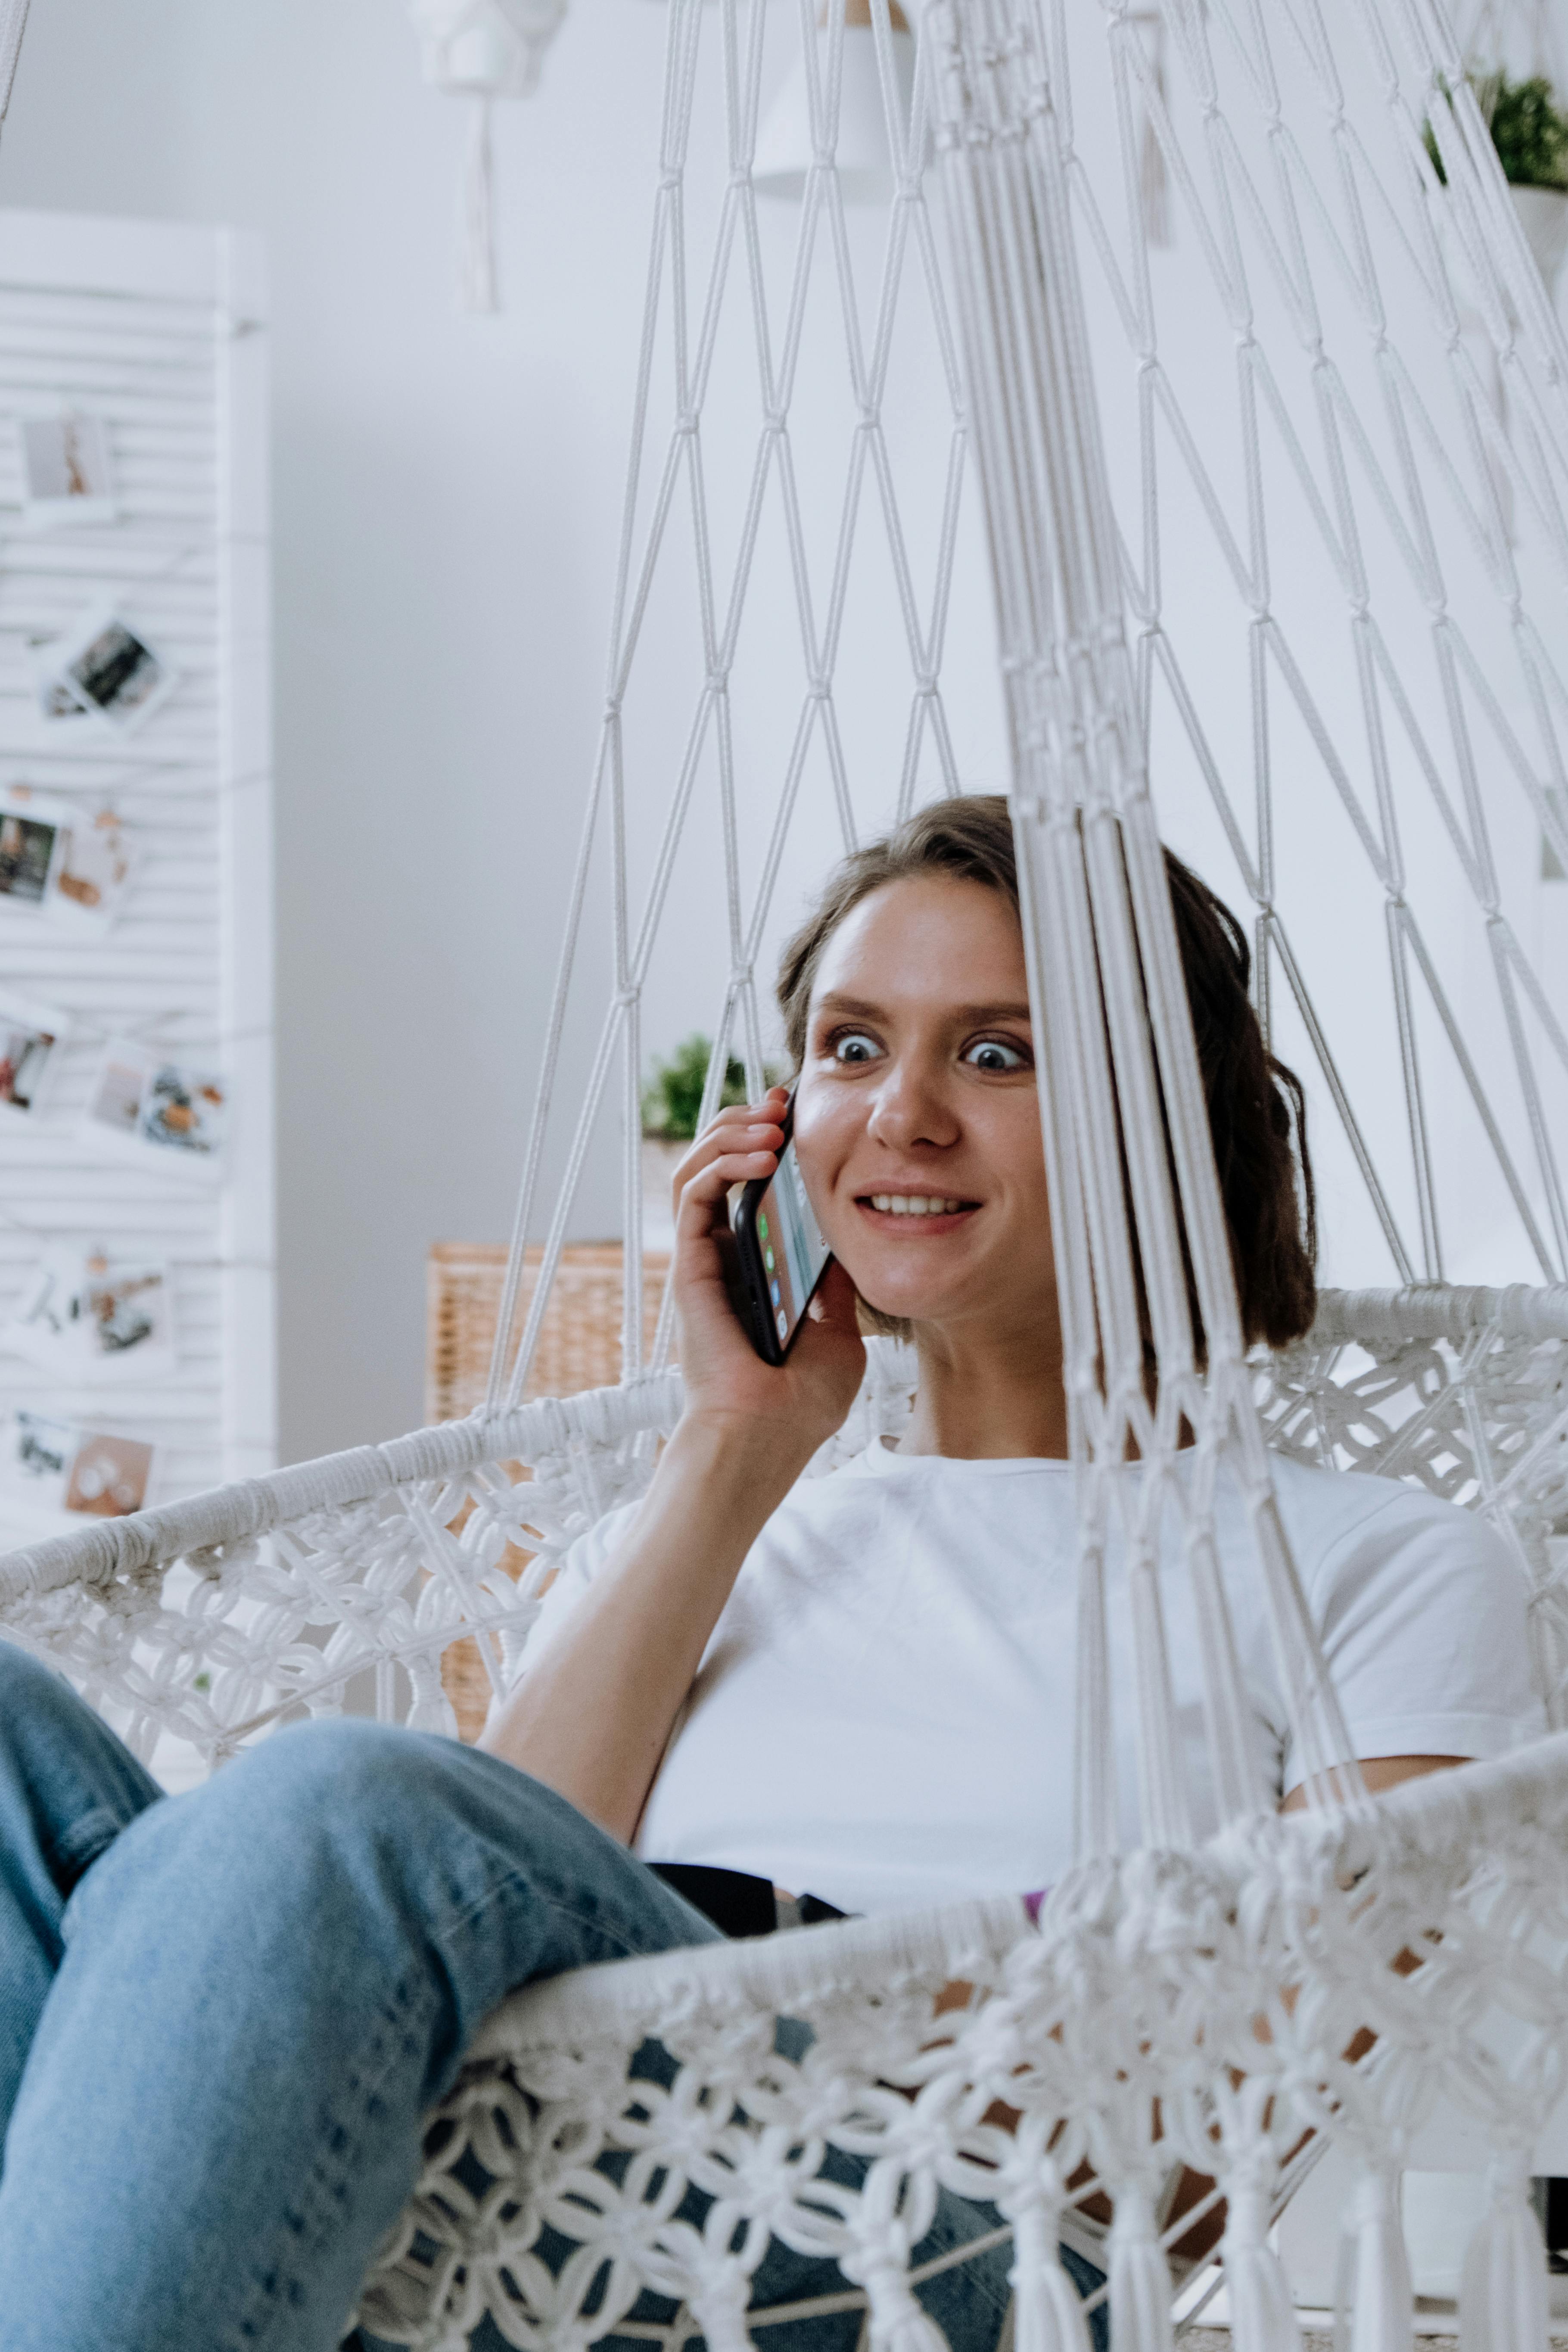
(1529, 130)
(673, 1096)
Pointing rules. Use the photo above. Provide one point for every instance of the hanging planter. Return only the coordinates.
(1529, 132)
(862, 158)
(481, 50)
(1544, 215)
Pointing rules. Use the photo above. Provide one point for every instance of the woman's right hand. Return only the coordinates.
(797, 1405)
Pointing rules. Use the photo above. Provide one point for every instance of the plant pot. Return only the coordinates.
(1544, 216)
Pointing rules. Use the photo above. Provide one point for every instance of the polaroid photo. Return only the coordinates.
(37, 1454)
(114, 1107)
(106, 669)
(51, 1469)
(109, 1475)
(129, 1326)
(66, 479)
(90, 883)
(33, 844)
(148, 1107)
(31, 1039)
(47, 1325)
(184, 1112)
(58, 706)
(61, 861)
(94, 1319)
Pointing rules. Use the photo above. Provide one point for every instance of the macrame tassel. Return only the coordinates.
(1262, 2315)
(1502, 2295)
(1140, 2276)
(477, 283)
(897, 2322)
(1376, 2293)
(1047, 2310)
(719, 2307)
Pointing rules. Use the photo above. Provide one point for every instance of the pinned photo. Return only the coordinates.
(112, 671)
(32, 852)
(89, 1319)
(104, 669)
(93, 874)
(146, 1107)
(50, 1467)
(31, 1038)
(35, 1457)
(58, 706)
(109, 1476)
(57, 861)
(186, 1111)
(65, 472)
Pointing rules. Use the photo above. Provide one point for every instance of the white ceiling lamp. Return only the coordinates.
(482, 50)
(785, 146)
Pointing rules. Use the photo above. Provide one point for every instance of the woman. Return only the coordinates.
(228, 2013)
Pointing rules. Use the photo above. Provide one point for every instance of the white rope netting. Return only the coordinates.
(1085, 2032)
(1328, 399)
(1283, 528)
(339, 1584)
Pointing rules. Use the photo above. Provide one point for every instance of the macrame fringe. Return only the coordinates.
(719, 2309)
(477, 276)
(1140, 2276)
(1262, 2315)
(1502, 2293)
(1376, 2307)
(1047, 2310)
(897, 2322)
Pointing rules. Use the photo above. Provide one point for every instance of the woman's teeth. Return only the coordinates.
(915, 1205)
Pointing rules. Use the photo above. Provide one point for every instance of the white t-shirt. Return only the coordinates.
(883, 1717)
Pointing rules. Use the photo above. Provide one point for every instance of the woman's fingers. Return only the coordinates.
(700, 1196)
(741, 1126)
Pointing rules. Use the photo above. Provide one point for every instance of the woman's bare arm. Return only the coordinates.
(592, 1718)
(1381, 1772)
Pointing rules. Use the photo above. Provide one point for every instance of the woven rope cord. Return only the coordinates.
(1416, 456)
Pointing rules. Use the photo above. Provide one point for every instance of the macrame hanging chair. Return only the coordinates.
(1311, 529)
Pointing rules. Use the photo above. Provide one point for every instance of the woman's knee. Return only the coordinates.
(347, 1781)
(344, 1823)
(45, 1728)
(32, 1692)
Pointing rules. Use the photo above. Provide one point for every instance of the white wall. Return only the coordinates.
(447, 495)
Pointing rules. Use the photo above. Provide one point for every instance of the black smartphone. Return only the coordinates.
(781, 1252)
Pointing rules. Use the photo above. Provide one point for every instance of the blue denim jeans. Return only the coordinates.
(224, 2016)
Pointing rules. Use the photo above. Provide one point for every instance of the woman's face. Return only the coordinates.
(916, 1120)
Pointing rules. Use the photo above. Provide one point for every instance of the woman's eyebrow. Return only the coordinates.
(834, 1001)
(862, 1006)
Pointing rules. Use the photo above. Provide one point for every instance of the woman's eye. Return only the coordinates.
(993, 1053)
(854, 1045)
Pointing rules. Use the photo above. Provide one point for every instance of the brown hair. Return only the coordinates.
(1257, 1115)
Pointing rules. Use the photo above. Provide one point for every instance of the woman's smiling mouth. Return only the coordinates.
(924, 1211)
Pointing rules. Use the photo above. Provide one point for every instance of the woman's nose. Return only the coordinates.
(910, 1108)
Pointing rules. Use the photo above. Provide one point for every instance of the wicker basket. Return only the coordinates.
(579, 1347)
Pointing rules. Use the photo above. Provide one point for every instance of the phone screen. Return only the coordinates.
(789, 1246)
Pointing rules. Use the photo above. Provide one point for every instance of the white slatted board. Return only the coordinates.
(158, 331)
